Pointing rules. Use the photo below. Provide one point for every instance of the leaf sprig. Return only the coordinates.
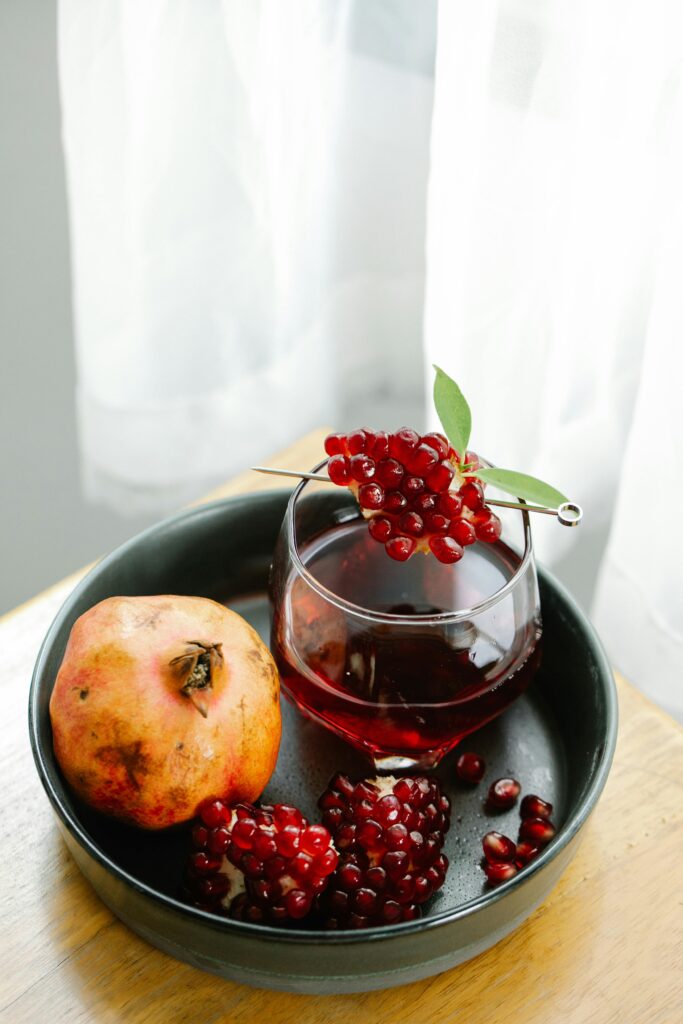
(456, 420)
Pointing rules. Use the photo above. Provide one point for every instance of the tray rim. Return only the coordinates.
(310, 936)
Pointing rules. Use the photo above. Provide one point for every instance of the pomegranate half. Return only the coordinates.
(162, 702)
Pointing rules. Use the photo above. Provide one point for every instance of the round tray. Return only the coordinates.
(558, 740)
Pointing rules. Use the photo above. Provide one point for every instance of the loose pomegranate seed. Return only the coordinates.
(498, 847)
(411, 486)
(487, 526)
(421, 460)
(389, 473)
(526, 852)
(357, 442)
(339, 470)
(472, 495)
(395, 502)
(412, 524)
(439, 478)
(503, 794)
(380, 528)
(470, 768)
(371, 496)
(391, 832)
(335, 444)
(400, 548)
(499, 871)
(438, 442)
(449, 504)
(271, 866)
(446, 549)
(537, 830)
(533, 807)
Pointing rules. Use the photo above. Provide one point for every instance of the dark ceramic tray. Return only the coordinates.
(558, 740)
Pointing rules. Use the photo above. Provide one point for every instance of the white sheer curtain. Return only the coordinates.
(246, 183)
(253, 187)
(555, 284)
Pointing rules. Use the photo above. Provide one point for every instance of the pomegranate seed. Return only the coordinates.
(412, 524)
(395, 502)
(380, 528)
(487, 526)
(472, 495)
(390, 866)
(503, 793)
(338, 470)
(533, 807)
(389, 473)
(436, 523)
(499, 871)
(357, 442)
(462, 531)
(537, 830)
(526, 852)
(472, 459)
(400, 548)
(498, 847)
(379, 448)
(424, 503)
(470, 768)
(335, 444)
(402, 442)
(438, 442)
(439, 478)
(446, 549)
(214, 813)
(411, 486)
(362, 468)
(371, 496)
(421, 460)
(449, 504)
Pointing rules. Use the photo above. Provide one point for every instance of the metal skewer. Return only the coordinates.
(568, 513)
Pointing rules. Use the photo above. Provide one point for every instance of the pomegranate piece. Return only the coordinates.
(499, 871)
(390, 835)
(534, 807)
(419, 480)
(538, 831)
(261, 864)
(503, 794)
(470, 768)
(526, 852)
(498, 847)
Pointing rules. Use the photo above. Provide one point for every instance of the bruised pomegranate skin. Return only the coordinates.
(163, 702)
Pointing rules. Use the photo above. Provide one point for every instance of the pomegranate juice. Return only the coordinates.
(406, 687)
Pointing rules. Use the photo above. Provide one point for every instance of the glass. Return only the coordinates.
(400, 659)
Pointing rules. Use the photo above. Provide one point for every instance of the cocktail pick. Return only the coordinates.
(568, 513)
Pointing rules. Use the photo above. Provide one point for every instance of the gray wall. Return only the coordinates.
(46, 528)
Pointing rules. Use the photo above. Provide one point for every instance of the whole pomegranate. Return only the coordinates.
(162, 702)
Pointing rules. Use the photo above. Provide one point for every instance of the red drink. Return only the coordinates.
(375, 653)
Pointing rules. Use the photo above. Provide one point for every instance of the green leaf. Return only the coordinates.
(522, 486)
(453, 411)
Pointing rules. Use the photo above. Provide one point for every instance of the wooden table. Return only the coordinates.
(605, 947)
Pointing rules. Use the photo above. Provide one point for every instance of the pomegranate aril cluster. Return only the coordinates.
(261, 864)
(503, 858)
(413, 490)
(390, 835)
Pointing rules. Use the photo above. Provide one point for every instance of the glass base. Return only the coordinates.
(387, 763)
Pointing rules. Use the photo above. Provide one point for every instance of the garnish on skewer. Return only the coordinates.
(427, 492)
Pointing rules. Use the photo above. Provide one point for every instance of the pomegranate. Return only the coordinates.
(163, 702)
(413, 491)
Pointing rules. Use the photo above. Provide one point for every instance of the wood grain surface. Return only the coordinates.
(605, 948)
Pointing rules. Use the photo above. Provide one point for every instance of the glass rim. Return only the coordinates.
(358, 610)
